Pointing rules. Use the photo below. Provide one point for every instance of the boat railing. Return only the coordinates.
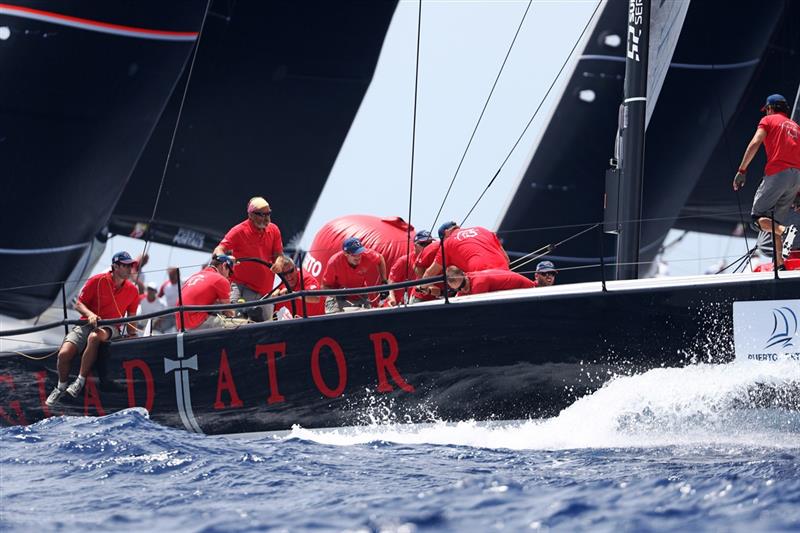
(232, 306)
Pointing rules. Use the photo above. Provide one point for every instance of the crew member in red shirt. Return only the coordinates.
(104, 297)
(210, 286)
(545, 275)
(485, 281)
(781, 182)
(405, 269)
(469, 249)
(355, 266)
(315, 305)
(256, 237)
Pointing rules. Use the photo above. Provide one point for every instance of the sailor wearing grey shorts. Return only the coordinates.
(780, 136)
(776, 194)
(79, 335)
(260, 313)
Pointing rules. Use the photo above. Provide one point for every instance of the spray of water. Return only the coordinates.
(703, 404)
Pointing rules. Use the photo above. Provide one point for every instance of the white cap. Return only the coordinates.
(152, 285)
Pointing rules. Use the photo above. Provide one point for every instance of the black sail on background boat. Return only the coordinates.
(502, 356)
(273, 83)
(84, 84)
(704, 115)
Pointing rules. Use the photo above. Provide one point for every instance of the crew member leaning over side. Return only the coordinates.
(469, 249)
(104, 296)
(405, 268)
(781, 182)
(481, 281)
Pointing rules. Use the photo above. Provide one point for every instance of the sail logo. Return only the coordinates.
(635, 14)
(189, 238)
(784, 328)
(766, 331)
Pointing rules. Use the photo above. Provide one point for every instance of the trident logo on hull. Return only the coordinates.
(183, 394)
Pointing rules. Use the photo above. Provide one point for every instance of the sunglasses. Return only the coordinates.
(262, 215)
(551, 274)
(292, 271)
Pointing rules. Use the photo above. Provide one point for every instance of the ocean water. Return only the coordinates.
(670, 449)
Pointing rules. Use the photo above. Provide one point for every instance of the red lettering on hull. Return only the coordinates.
(41, 382)
(338, 354)
(141, 366)
(225, 383)
(384, 363)
(271, 352)
(13, 404)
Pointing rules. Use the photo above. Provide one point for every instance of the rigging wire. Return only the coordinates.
(480, 118)
(729, 155)
(174, 134)
(413, 147)
(541, 102)
(533, 256)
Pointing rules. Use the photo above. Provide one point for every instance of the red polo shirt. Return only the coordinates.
(782, 143)
(107, 301)
(428, 256)
(496, 280)
(312, 309)
(473, 249)
(203, 288)
(339, 274)
(246, 240)
(402, 272)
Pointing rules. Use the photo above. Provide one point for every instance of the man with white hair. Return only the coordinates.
(257, 237)
(150, 303)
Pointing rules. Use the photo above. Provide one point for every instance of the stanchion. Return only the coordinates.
(180, 301)
(602, 260)
(302, 289)
(64, 305)
(444, 271)
(774, 248)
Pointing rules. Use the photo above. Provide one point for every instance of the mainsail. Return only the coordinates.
(274, 91)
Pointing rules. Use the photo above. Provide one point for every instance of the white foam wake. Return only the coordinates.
(700, 404)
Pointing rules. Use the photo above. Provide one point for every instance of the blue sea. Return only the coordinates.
(670, 449)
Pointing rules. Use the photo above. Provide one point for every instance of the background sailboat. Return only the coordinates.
(83, 86)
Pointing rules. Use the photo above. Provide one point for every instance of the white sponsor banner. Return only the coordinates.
(767, 331)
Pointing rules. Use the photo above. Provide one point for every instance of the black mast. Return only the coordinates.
(634, 110)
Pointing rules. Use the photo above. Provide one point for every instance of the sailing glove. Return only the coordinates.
(738, 181)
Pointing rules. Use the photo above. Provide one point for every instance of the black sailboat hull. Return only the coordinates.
(524, 355)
